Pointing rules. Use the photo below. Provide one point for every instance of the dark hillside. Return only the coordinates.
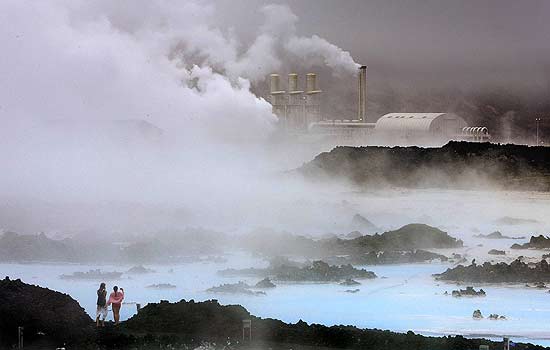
(42, 313)
(455, 165)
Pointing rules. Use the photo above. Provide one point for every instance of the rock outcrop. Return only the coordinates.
(496, 252)
(510, 166)
(362, 224)
(515, 272)
(317, 271)
(265, 283)
(392, 257)
(138, 270)
(407, 238)
(536, 242)
(349, 282)
(477, 315)
(410, 237)
(235, 288)
(161, 286)
(468, 292)
(41, 311)
(18, 247)
(496, 235)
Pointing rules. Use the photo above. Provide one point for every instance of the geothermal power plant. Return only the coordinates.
(299, 112)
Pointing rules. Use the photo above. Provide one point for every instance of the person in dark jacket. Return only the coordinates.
(101, 311)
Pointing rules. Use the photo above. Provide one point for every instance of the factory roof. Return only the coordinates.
(411, 121)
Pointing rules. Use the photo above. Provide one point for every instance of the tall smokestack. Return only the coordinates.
(296, 104)
(362, 101)
(313, 100)
(292, 82)
(278, 98)
(311, 83)
(275, 83)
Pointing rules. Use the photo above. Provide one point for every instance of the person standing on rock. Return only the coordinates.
(116, 299)
(101, 311)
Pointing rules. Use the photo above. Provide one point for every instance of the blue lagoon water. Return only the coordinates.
(404, 297)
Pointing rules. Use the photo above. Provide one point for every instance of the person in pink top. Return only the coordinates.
(116, 299)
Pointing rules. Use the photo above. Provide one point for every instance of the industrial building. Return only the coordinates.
(299, 112)
(297, 108)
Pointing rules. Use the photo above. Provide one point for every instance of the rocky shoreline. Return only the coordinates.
(190, 324)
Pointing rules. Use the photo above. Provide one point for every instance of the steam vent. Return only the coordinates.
(299, 112)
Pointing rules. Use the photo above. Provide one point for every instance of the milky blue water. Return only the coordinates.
(404, 297)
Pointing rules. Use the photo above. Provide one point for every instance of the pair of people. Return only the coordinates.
(115, 299)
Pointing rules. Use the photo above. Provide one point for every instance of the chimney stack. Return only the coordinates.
(275, 85)
(311, 83)
(296, 106)
(362, 101)
(278, 99)
(292, 82)
(313, 99)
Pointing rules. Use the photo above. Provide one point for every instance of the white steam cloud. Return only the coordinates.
(143, 102)
(318, 51)
(165, 62)
(63, 63)
(278, 39)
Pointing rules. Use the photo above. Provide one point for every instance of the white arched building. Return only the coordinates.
(419, 128)
(413, 124)
(398, 128)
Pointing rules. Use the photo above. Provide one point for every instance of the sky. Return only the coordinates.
(423, 33)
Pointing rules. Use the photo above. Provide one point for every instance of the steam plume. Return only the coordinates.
(72, 71)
